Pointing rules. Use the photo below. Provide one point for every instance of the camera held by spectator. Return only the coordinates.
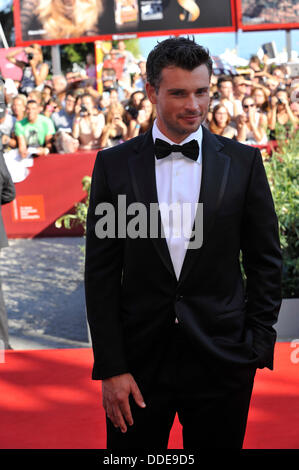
(83, 111)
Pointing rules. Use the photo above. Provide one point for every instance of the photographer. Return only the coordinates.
(280, 112)
(251, 125)
(88, 123)
(143, 120)
(35, 70)
(115, 130)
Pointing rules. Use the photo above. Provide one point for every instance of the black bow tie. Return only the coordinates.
(190, 149)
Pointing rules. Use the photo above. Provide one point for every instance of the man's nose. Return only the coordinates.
(191, 103)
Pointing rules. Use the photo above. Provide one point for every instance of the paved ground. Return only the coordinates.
(42, 281)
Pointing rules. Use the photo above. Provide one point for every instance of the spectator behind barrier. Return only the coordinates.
(261, 99)
(35, 70)
(47, 94)
(144, 120)
(280, 113)
(18, 107)
(239, 90)
(130, 61)
(7, 124)
(139, 79)
(36, 95)
(115, 130)
(104, 102)
(225, 96)
(90, 70)
(64, 118)
(220, 122)
(51, 107)
(88, 124)
(60, 86)
(105, 123)
(63, 122)
(251, 125)
(34, 131)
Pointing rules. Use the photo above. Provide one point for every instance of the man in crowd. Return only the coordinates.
(63, 119)
(7, 124)
(63, 122)
(60, 86)
(18, 107)
(35, 131)
(226, 96)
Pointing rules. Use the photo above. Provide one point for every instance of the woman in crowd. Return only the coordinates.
(280, 113)
(88, 123)
(220, 122)
(144, 120)
(47, 93)
(50, 107)
(136, 98)
(35, 70)
(115, 130)
(251, 125)
(261, 99)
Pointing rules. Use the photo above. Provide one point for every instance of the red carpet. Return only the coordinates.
(48, 401)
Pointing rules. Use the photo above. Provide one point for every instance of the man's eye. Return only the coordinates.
(177, 93)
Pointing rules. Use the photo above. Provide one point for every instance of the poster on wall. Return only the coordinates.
(267, 14)
(63, 21)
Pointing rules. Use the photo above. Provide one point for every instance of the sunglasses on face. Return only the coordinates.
(246, 106)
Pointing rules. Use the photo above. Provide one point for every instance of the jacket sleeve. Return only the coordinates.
(262, 263)
(8, 192)
(103, 271)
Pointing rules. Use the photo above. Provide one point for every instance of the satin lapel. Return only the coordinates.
(215, 169)
(142, 171)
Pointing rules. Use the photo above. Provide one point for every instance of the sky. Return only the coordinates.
(246, 43)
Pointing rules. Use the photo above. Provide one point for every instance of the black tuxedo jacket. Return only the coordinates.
(132, 294)
(8, 193)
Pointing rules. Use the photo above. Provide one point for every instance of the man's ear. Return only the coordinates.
(151, 93)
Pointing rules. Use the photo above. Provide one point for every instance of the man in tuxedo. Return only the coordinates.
(174, 327)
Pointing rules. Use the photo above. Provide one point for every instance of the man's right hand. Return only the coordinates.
(115, 392)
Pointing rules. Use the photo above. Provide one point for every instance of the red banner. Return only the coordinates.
(52, 188)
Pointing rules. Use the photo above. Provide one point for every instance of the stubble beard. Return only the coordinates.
(184, 131)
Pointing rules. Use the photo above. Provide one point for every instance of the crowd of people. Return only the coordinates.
(66, 113)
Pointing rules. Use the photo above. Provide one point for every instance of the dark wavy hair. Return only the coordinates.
(179, 52)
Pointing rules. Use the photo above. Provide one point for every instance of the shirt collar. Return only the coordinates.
(197, 135)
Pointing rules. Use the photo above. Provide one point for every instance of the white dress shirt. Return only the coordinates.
(178, 180)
